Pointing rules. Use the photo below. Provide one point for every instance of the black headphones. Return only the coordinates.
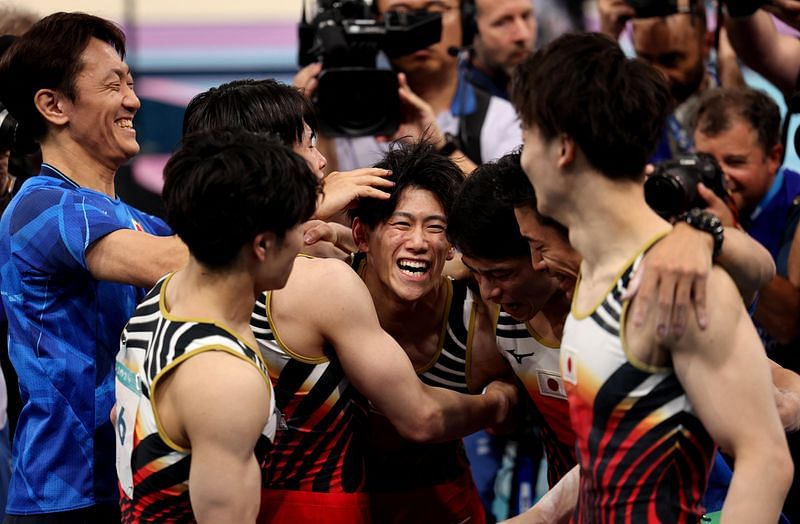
(469, 23)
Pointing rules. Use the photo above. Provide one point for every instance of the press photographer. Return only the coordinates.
(462, 122)
(354, 97)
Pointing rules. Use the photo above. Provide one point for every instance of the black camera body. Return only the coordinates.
(354, 97)
(672, 188)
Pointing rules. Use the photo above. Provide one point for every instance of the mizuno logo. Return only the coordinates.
(518, 357)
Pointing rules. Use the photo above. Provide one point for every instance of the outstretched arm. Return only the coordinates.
(134, 257)
(380, 369)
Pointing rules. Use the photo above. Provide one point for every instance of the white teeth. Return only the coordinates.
(412, 267)
(125, 123)
(413, 263)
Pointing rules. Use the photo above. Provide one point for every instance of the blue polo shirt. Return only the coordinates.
(63, 331)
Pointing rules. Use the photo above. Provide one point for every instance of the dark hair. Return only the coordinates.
(48, 56)
(255, 105)
(718, 108)
(415, 165)
(582, 84)
(224, 187)
(482, 223)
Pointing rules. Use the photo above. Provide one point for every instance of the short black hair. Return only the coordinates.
(720, 106)
(614, 107)
(415, 165)
(255, 105)
(224, 187)
(482, 222)
(48, 56)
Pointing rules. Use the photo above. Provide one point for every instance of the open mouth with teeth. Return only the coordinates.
(125, 123)
(413, 268)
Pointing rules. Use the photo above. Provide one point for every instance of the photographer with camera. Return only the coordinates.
(463, 123)
(73, 262)
(741, 130)
(673, 38)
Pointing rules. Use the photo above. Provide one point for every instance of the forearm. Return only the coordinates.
(730, 74)
(454, 415)
(556, 506)
(747, 262)
(132, 257)
(757, 490)
(757, 43)
(778, 310)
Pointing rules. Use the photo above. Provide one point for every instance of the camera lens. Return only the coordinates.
(666, 195)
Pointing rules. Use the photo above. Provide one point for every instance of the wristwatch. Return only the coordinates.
(708, 222)
(451, 145)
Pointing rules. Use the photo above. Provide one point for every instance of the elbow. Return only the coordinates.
(768, 272)
(424, 426)
(778, 465)
(784, 469)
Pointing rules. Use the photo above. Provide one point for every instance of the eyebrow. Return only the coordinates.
(119, 72)
(426, 219)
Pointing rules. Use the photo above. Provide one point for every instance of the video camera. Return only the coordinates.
(654, 8)
(354, 97)
(672, 188)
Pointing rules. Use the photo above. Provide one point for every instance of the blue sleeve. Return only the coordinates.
(152, 224)
(51, 228)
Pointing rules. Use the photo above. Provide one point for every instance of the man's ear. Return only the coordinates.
(451, 253)
(360, 235)
(50, 104)
(774, 158)
(566, 154)
(262, 245)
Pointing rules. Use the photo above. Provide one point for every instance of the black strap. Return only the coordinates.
(469, 127)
